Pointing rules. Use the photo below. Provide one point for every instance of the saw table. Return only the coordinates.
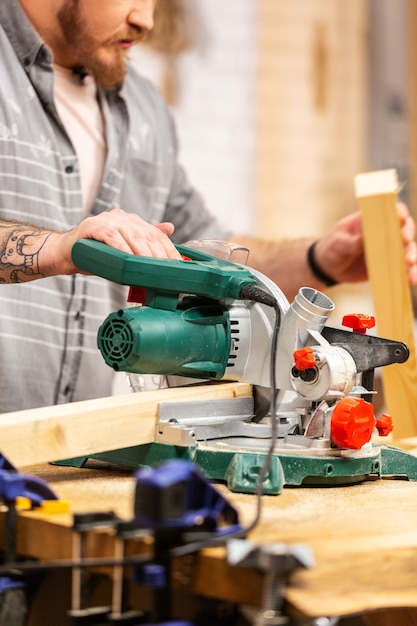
(363, 538)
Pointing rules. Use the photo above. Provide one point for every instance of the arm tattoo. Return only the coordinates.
(20, 246)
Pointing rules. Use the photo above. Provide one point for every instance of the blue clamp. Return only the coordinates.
(14, 484)
(177, 495)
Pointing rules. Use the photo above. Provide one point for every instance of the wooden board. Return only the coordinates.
(82, 428)
(377, 198)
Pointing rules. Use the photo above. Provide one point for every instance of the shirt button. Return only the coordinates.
(69, 169)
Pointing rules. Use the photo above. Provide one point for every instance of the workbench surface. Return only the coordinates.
(363, 538)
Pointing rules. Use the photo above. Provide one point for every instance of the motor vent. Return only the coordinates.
(116, 341)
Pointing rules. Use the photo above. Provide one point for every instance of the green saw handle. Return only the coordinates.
(202, 275)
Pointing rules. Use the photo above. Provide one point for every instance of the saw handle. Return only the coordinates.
(201, 274)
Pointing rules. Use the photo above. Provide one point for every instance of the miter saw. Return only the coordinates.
(206, 318)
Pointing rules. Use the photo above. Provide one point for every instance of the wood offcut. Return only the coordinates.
(377, 197)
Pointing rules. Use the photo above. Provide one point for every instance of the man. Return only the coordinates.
(88, 150)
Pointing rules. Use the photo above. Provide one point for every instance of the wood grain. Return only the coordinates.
(377, 198)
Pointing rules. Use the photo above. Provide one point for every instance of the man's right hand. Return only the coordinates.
(125, 231)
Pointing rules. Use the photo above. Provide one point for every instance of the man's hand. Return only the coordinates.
(125, 231)
(341, 255)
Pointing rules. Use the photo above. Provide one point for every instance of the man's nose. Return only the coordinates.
(142, 14)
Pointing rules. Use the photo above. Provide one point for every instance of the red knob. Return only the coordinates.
(304, 358)
(384, 425)
(352, 423)
(359, 322)
(137, 295)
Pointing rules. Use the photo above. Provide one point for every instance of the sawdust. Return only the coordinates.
(306, 514)
(95, 488)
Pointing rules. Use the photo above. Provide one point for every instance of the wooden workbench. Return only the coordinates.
(363, 538)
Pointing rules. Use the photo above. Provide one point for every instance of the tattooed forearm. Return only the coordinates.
(20, 248)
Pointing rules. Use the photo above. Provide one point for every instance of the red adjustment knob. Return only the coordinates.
(304, 358)
(384, 425)
(359, 322)
(352, 423)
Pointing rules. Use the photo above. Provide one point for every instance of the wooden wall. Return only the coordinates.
(311, 113)
(411, 13)
(388, 113)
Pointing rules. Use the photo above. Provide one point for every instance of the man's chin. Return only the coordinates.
(108, 72)
(109, 78)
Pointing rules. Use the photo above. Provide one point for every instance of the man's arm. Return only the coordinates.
(20, 251)
(29, 252)
(339, 254)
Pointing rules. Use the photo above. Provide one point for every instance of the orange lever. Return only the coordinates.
(304, 358)
(358, 322)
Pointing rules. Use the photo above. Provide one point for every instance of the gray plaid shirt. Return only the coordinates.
(48, 327)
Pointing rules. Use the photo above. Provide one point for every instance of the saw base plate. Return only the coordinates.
(240, 469)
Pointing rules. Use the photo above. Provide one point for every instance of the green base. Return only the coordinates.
(240, 470)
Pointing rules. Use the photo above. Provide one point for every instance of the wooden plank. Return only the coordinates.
(81, 428)
(377, 197)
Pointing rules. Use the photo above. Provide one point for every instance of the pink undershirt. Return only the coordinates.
(80, 111)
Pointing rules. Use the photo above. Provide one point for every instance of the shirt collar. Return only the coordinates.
(27, 44)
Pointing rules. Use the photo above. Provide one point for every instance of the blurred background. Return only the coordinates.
(280, 103)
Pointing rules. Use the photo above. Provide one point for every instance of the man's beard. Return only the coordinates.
(108, 66)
